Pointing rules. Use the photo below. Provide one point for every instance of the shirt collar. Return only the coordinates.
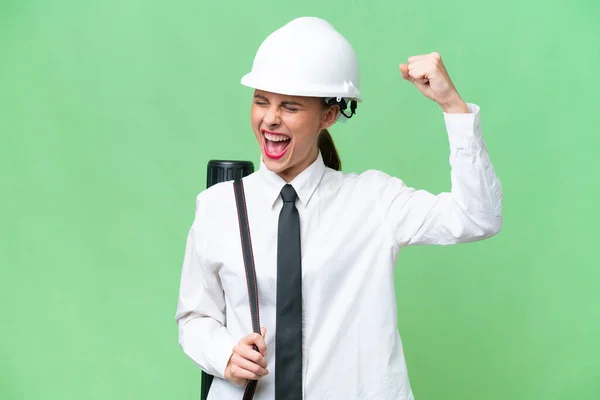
(305, 183)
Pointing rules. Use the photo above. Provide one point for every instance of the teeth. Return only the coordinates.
(276, 138)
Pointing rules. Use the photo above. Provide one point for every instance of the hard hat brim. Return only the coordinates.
(291, 89)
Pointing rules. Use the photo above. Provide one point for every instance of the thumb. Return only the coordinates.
(263, 331)
(419, 83)
(404, 71)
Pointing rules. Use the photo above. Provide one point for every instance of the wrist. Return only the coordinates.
(455, 106)
(227, 373)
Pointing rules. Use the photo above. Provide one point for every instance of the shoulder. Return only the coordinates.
(369, 180)
(211, 197)
(220, 197)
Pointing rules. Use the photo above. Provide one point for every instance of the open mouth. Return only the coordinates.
(276, 144)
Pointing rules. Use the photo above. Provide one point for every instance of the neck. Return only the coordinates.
(289, 174)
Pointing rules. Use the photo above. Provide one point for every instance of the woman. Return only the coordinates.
(325, 243)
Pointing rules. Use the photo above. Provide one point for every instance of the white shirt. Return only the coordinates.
(352, 228)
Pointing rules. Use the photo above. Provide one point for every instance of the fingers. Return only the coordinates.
(238, 375)
(435, 56)
(245, 362)
(404, 71)
(242, 368)
(250, 354)
(428, 73)
(421, 68)
(414, 73)
(258, 340)
(412, 76)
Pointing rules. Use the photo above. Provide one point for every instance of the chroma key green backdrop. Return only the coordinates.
(110, 111)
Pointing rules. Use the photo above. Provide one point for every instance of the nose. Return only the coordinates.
(272, 117)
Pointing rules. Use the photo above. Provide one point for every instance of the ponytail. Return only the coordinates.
(328, 150)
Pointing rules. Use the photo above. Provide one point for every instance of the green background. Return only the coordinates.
(110, 111)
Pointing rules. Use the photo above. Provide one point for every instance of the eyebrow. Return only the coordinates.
(287, 103)
(292, 103)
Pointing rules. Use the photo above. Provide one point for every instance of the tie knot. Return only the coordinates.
(288, 194)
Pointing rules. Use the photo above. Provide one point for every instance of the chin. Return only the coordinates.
(274, 165)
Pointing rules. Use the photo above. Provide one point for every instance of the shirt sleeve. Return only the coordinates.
(200, 314)
(471, 211)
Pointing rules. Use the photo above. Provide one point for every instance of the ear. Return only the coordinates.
(329, 117)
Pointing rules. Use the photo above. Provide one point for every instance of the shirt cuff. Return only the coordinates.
(464, 130)
(219, 354)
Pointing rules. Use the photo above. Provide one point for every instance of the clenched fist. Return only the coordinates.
(246, 363)
(428, 73)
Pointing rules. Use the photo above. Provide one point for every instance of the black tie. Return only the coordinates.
(288, 336)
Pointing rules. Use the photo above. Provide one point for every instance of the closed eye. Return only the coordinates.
(260, 100)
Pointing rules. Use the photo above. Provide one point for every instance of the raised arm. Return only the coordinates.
(472, 210)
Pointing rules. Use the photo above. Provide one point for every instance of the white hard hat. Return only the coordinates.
(306, 57)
